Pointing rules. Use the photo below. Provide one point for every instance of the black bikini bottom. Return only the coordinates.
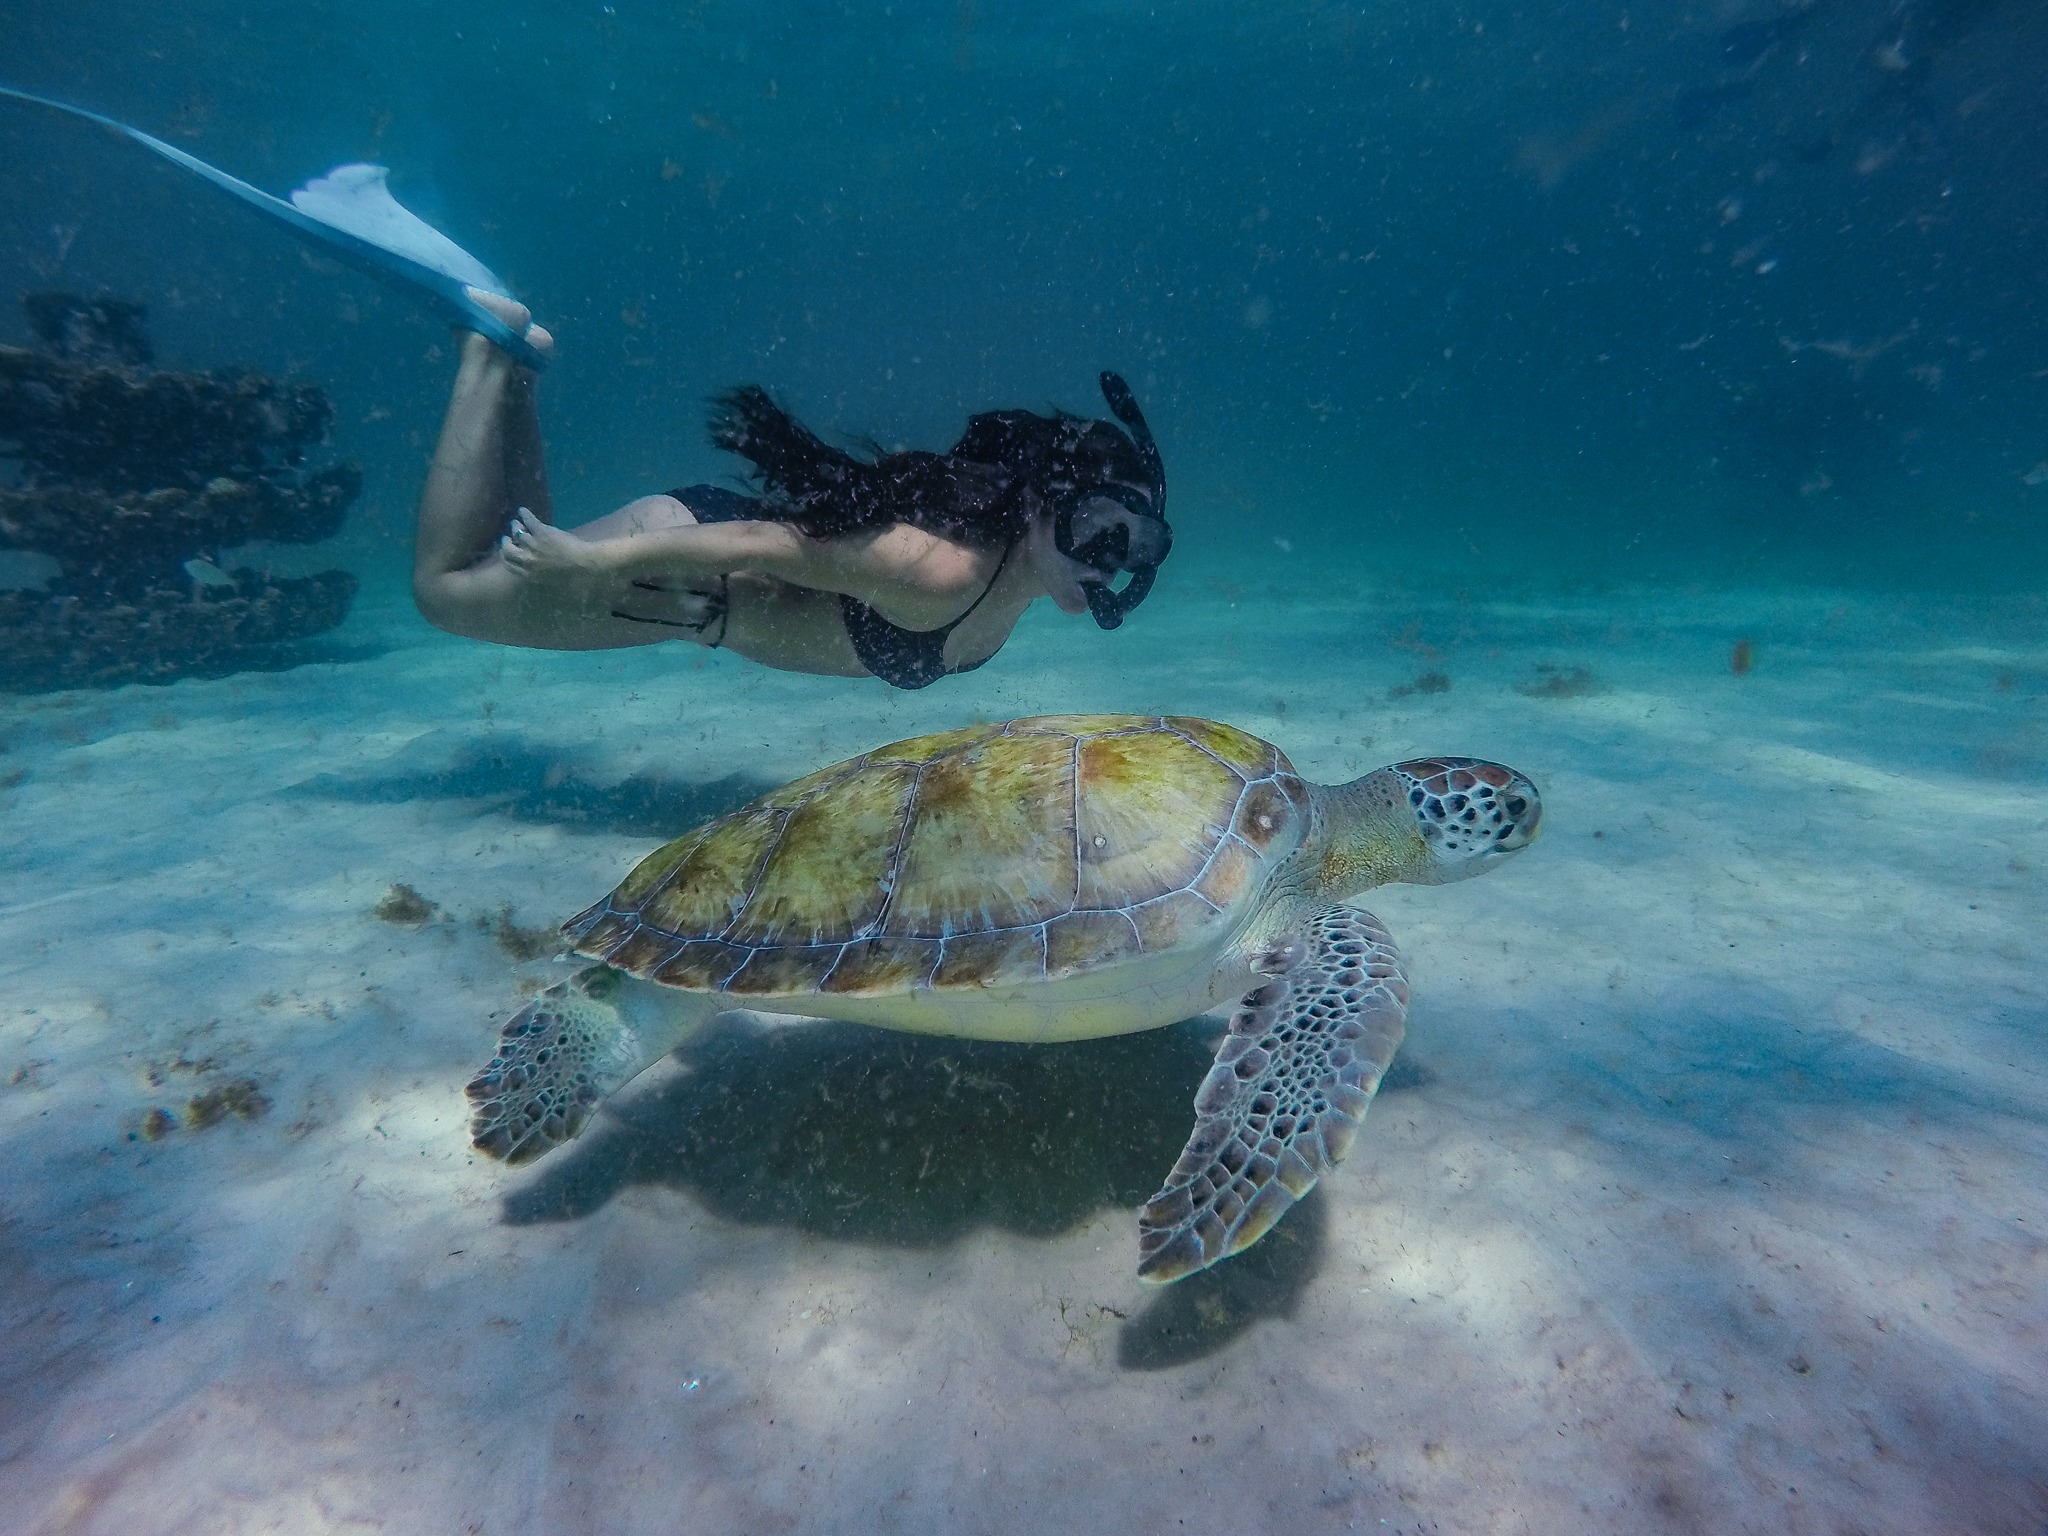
(715, 504)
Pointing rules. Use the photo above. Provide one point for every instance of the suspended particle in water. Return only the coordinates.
(1741, 658)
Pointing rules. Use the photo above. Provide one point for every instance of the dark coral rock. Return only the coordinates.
(90, 330)
(123, 427)
(58, 641)
(126, 476)
(122, 545)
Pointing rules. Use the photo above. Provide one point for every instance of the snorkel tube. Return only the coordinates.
(1111, 551)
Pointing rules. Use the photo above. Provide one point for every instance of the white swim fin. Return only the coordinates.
(350, 214)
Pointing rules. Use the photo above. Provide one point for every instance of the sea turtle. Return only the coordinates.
(1059, 878)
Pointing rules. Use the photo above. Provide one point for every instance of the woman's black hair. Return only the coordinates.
(974, 492)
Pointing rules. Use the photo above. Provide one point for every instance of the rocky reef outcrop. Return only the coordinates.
(136, 481)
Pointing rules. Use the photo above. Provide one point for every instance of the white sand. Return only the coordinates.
(1710, 1195)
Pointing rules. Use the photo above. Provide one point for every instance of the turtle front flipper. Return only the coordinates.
(564, 1053)
(1286, 1096)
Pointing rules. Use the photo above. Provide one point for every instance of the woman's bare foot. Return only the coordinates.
(518, 317)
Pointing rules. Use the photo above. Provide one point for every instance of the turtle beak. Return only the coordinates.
(1470, 813)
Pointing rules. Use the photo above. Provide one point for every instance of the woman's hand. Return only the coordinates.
(546, 556)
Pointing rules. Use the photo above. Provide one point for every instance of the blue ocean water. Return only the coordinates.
(1654, 398)
(1637, 292)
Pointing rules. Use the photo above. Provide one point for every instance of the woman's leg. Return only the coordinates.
(526, 463)
(489, 453)
(490, 461)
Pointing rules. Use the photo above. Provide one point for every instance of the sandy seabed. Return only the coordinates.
(1710, 1192)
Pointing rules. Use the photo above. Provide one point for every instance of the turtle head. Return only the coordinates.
(1428, 822)
(1469, 814)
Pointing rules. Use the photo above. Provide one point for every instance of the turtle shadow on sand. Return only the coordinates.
(1194, 1318)
(871, 1136)
(533, 782)
(862, 1135)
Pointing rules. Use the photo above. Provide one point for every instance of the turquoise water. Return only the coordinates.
(1512, 368)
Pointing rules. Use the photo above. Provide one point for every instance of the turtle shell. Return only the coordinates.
(985, 857)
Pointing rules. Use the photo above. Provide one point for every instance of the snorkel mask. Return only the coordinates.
(1118, 527)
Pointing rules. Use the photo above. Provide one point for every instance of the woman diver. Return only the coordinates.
(909, 567)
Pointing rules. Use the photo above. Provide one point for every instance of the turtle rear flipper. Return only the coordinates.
(562, 1055)
(1287, 1094)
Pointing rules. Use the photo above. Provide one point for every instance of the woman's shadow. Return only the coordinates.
(863, 1135)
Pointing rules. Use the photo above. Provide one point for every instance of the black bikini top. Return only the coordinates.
(902, 658)
(908, 658)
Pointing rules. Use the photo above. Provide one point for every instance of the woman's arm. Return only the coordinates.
(686, 552)
(912, 577)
